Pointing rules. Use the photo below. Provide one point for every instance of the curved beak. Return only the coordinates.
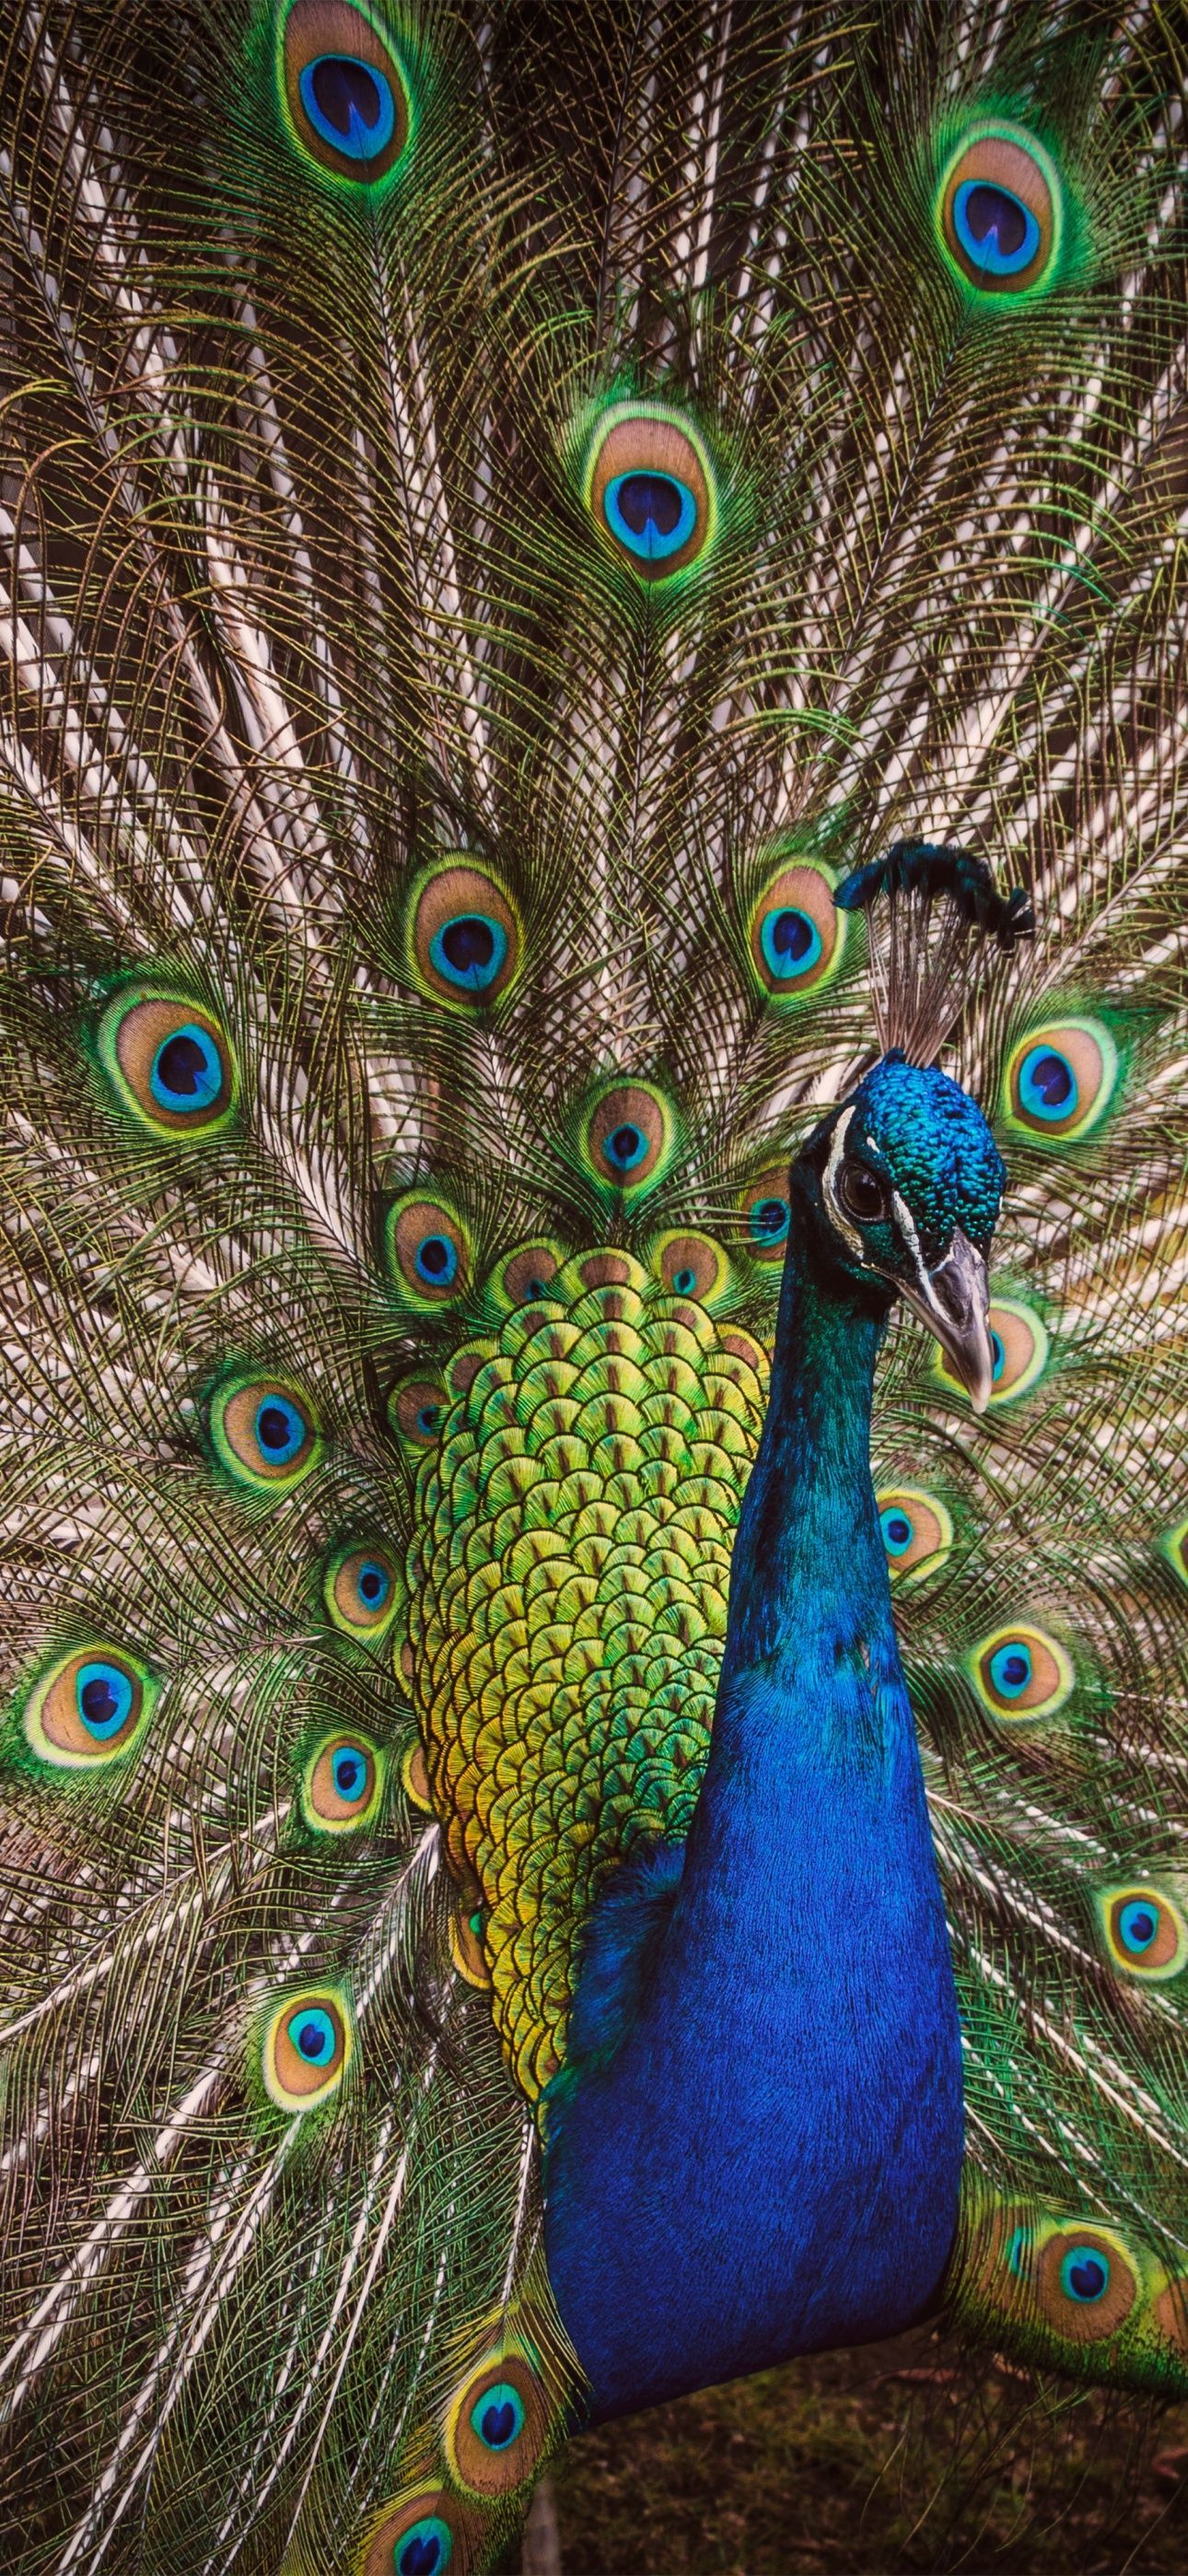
(954, 1301)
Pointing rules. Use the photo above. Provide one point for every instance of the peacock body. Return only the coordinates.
(532, 1878)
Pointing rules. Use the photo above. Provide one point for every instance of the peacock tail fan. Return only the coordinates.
(502, 513)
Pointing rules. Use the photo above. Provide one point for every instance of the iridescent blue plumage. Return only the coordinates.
(764, 2082)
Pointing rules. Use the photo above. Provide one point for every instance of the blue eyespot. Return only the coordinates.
(425, 2549)
(770, 1219)
(103, 1698)
(994, 228)
(469, 952)
(429, 1419)
(999, 1357)
(1048, 1087)
(625, 1147)
(349, 104)
(1137, 1925)
(1084, 2275)
(436, 1261)
(350, 1773)
(280, 1430)
(187, 1071)
(897, 1530)
(313, 2035)
(375, 1583)
(1011, 1668)
(499, 2418)
(684, 1282)
(791, 943)
(652, 514)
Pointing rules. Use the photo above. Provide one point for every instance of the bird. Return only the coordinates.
(592, 632)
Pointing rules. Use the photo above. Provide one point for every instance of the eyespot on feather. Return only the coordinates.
(466, 1945)
(767, 1214)
(796, 936)
(629, 1136)
(917, 1530)
(341, 1783)
(1019, 1341)
(525, 1275)
(1081, 2281)
(463, 939)
(346, 96)
(650, 489)
(168, 1061)
(1085, 2282)
(1144, 1930)
(1060, 1080)
(362, 1590)
(307, 2049)
(89, 1707)
(264, 1432)
(416, 1410)
(426, 2532)
(692, 1265)
(1021, 1673)
(496, 2423)
(428, 1250)
(999, 211)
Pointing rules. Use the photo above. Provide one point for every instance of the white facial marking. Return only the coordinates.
(836, 1214)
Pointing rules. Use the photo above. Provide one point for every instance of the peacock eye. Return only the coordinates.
(1000, 211)
(306, 2050)
(797, 934)
(917, 1529)
(167, 1061)
(860, 1193)
(767, 1214)
(1084, 2283)
(526, 1274)
(361, 1590)
(629, 1135)
(652, 514)
(496, 2424)
(1060, 1080)
(430, 2533)
(416, 1410)
(347, 98)
(89, 1707)
(340, 1784)
(1022, 1673)
(264, 1432)
(650, 488)
(428, 1250)
(462, 939)
(693, 1265)
(1145, 1931)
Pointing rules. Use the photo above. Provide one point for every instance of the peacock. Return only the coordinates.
(595, 1364)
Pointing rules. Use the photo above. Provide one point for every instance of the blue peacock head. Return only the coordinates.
(908, 1181)
(905, 1176)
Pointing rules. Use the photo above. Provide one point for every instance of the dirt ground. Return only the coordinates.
(896, 2458)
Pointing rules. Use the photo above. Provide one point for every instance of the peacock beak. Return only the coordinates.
(954, 1301)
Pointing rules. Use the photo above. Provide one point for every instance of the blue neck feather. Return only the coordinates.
(755, 2148)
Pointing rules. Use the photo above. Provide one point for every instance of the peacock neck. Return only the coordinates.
(809, 1572)
(765, 2071)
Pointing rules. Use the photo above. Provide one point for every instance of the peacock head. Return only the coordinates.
(905, 1182)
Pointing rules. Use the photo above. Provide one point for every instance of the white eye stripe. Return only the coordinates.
(911, 1240)
(833, 1208)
